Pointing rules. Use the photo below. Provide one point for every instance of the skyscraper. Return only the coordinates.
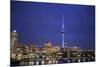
(62, 31)
(13, 40)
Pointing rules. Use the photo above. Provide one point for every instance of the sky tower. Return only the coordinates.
(62, 31)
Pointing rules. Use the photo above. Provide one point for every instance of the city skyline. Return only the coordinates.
(41, 22)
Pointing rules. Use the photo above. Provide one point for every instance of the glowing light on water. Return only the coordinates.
(42, 62)
(53, 61)
(68, 61)
(56, 61)
(31, 63)
(79, 60)
(37, 62)
(49, 62)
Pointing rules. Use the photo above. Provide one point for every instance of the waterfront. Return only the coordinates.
(45, 62)
(25, 55)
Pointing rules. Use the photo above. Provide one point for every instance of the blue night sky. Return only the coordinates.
(38, 23)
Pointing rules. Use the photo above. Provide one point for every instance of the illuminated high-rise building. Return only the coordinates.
(13, 40)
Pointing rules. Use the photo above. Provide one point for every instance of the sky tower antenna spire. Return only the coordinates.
(62, 32)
